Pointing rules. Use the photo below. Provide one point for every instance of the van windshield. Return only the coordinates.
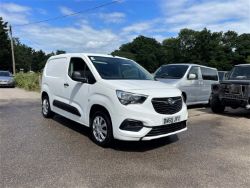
(171, 71)
(240, 73)
(119, 69)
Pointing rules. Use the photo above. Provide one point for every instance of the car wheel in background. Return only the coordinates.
(216, 105)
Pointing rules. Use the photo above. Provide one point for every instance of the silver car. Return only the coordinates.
(193, 80)
(6, 79)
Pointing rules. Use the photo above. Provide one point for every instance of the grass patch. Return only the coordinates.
(28, 81)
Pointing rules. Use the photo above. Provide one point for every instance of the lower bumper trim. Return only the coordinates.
(165, 129)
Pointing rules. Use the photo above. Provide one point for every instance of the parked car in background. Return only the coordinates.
(223, 75)
(6, 79)
(233, 92)
(193, 80)
(114, 96)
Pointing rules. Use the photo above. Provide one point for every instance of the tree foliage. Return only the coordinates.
(5, 55)
(215, 49)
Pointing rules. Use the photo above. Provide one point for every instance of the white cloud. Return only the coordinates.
(114, 17)
(211, 13)
(14, 13)
(12, 7)
(66, 10)
(179, 14)
(79, 37)
(137, 27)
(71, 39)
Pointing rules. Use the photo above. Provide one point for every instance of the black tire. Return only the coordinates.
(46, 110)
(216, 105)
(96, 137)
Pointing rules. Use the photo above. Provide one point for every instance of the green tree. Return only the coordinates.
(146, 51)
(242, 50)
(5, 55)
(60, 52)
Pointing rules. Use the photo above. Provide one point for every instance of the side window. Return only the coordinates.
(193, 71)
(78, 64)
(209, 74)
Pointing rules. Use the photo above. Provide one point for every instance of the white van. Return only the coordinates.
(114, 96)
(193, 80)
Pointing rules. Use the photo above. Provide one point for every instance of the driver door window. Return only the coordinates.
(78, 64)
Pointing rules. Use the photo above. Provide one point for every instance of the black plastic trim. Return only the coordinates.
(66, 107)
(131, 125)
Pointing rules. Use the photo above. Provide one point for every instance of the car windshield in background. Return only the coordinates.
(221, 75)
(4, 73)
(119, 69)
(240, 73)
(171, 71)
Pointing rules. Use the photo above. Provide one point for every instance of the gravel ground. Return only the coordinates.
(38, 152)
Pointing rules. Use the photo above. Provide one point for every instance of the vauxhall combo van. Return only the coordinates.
(193, 80)
(114, 96)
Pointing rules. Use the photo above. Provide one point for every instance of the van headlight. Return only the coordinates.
(130, 98)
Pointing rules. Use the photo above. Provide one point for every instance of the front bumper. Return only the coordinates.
(234, 102)
(7, 84)
(151, 120)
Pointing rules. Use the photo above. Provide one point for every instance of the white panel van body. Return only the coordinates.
(114, 96)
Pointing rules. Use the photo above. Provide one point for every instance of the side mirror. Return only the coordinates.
(78, 77)
(192, 76)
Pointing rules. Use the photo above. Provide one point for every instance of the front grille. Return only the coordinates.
(234, 96)
(169, 105)
(165, 129)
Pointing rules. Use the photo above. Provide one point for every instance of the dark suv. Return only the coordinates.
(234, 92)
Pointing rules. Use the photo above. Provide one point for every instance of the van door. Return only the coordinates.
(77, 92)
(209, 77)
(192, 85)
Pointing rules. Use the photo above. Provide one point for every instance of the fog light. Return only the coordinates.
(131, 125)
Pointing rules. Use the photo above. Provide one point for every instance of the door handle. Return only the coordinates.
(66, 85)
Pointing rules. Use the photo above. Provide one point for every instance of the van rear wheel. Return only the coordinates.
(101, 129)
(46, 111)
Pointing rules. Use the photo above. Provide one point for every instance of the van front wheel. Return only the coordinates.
(101, 129)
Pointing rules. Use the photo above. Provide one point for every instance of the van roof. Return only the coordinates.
(84, 54)
(243, 65)
(189, 64)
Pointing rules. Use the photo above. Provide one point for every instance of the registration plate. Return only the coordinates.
(171, 120)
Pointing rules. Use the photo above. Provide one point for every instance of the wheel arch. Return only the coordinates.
(184, 96)
(44, 93)
(97, 107)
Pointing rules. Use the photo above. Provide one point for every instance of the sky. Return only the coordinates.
(104, 29)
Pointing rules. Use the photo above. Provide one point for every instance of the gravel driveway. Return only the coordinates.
(38, 152)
